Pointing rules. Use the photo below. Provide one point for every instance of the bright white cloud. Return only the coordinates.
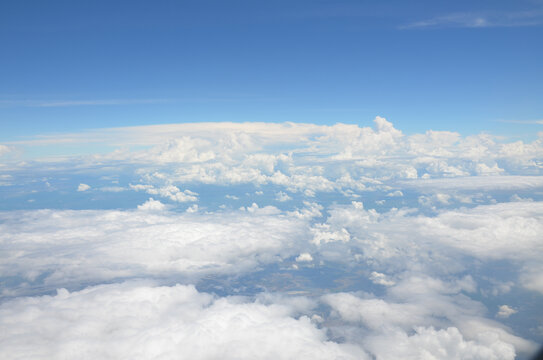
(308, 158)
(446, 188)
(152, 205)
(148, 322)
(83, 187)
(170, 191)
(70, 247)
(448, 324)
(304, 257)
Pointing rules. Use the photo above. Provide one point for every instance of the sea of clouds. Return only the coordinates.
(272, 241)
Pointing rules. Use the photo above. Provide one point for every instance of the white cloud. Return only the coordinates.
(420, 255)
(66, 248)
(282, 197)
(307, 158)
(399, 240)
(152, 205)
(192, 209)
(505, 311)
(83, 187)
(451, 322)
(149, 322)
(304, 257)
(114, 189)
(310, 211)
(381, 279)
(169, 191)
(511, 182)
(396, 193)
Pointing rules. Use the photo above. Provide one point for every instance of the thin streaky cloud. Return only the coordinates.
(112, 102)
(480, 20)
(67, 103)
(528, 122)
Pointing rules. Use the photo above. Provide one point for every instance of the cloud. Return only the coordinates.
(505, 311)
(152, 205)
(282, 197)
(304, 257)
(488, 183)
(70, 103)
(114, 189)
(447, 323)
(304, 158)
(139, 321)
(481, 20)
(83, 187)
(405, 240)
(429, 253)
(381, 279)
(539, 122)
(169, 191)
(56, 248)
(4, 149)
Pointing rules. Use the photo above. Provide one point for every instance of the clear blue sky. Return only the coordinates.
(442, 65)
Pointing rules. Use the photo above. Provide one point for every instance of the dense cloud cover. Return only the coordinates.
(273, 241)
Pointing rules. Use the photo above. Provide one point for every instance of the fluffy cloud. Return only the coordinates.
(447, 323)
(67, 248)
(426, 252)
(152, 205)
(83, 187)
(307, 158)
(148, 322)
(505, 311)
(171, 192)
(500, 231)
(304, 257)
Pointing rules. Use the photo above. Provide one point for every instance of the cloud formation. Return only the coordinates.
(67, 248)
(402, 245)
(149, 322)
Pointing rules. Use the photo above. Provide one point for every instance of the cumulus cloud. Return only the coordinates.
(505, 311)
(170, 191)
(426, 260)
(152, 205)
(83, 187)
(381, 279)
(149, 322)
(499, 231)
(282, 197)
(309, 159)
(447, 323)
(304, 257)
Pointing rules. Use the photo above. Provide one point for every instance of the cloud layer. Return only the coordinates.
(347, 241)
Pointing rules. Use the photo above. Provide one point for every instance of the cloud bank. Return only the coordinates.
(346, 242)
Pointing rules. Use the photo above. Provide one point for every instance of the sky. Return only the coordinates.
(271, 180)
(73, 65)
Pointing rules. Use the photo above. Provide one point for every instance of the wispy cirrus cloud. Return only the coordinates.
(480, 20)
(44, 103)
(529, 122)
(69, 103)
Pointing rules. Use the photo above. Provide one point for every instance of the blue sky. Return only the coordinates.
(463, 65)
